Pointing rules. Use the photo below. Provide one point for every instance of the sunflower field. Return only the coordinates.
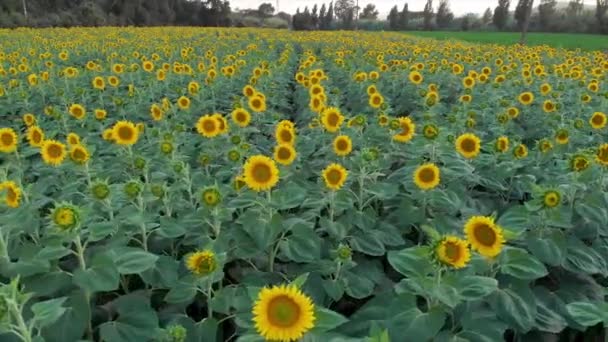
(202, 184)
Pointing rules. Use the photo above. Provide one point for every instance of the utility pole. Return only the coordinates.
(24, 9)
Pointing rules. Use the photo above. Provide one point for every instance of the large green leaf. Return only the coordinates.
(136, 321)
(101, 276)
(327, 320)
(517, 308)
(49, 311)
(519, 264)
(413, 261)
(588, 314)
(303, 245)
(130, 260)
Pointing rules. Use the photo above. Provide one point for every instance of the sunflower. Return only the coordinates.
(257, 103)
(183, 103)
(99, 83)
(484, 235)
(502, 144)
(29, 119)
(73, 139)
(376, 100)
(408, 129)
(466, 98)
(77, 111)
(601, 155)
(579, 163)
(335, 176)
(35, 136)
(249, 91)
(544, 145)
(415, 77)
(552, 199)
(545, 88)
(430, 131)
(208, 126)
(549, 106)
(156, 112)
(520, 151)
(125, 133)
(342, 145)
(526, 98)
(468, 145)
(285, 135)
(598, 120)
(284, 154)
(316, 103)
(221, 122)
(427, 176)
(241, 117)
(65, 217)
(13, 193)
(108, 134)
(211, 197)
(113, 81)
(453, 251)
(283, 313)
(53, 152)
(332, 119)
(100, 114)
(79, 154)
(371, 90)
(202, 263)
(468, 82)
(562, 136)
(513, 112)
(261, 173)
(8, 140)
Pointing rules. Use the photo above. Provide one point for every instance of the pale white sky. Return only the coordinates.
(384, 6)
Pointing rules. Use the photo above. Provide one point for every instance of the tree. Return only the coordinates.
(600, 15)
(266, 10)
(404, 17)
(428, 15)
(369, 12)
(521, 12)
(314, 16)
(526, 22)
(393, 19)
(546, 13)
(487, 16)
(575, 7)
(322, 12)
(444, 15)
(343, 9)
(501, 14)
(329, 18)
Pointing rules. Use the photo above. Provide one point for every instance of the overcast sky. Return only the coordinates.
(384, 6)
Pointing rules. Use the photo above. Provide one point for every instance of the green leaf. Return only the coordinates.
(303, 245)
(472, 287)
(101, 277)
(515, 219)
(420, 326)
(133, 260)
(549, 248)
(53, 252)
(588, 314)
(49, 311)
(300, 280)
(261, 231)
(548, 308)
(183, 292)
(290, 196)
(136, 321)
(368, 243)
(412, 261)
(519, 264)
(99, 230)
(72, 324)
(327, 319)
(517, 308)
(582, 258)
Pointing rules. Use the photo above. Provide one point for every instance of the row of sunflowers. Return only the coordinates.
(190, 184)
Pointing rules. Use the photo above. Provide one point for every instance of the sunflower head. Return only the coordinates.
(29, 119)
(285, 154)
(66, 216)
(261, 173)
(12, 193)
(342, 145)
(332, 119)
(484, 235)
(8, 140)
(211, 197)
(376, 100)
(73, 139)
(598, 120)
(183, 103)
(285, 135)
(77, 111)
(208, 126)
(579, 163)
(562, 136)
(552, 198)
(202, 263)
(427, 176)
(453, 251)
(125, 133)
(53, 152)
(601, 155)
(502, 144)
(468, 145)
(526, 98)
(520, 151)
(132, 189)
(79, 154)
(241, 117)
(430, 131)
(283, 313)
(406, 129)
(100, 190)
(335, 176)
(257, 103)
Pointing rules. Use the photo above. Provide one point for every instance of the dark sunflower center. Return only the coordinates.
(77, 111)
(283, 312)
(341, 145)
(597, 119)
(208, 126)
(405, 128)
(427, 175)
(452, 251)
(54, 151)
(7, 139)
(241, 117)
(286, 135)
(468, 145)
(261, 173)
(125, 133)
(484, 234)
(332, 119)
(284, 153)
(79, 154)
(377, 100)
(525, 97)
(36, 136)
(183, 102)
(334, 176)
(256, 103)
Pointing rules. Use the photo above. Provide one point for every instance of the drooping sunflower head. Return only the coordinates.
(53, 152)
(211, 196)
(407, 130)
(335, 176)
(484, 235)
(8, 140)
(598, 120)
(520, 151)
(427, 176)
(513, 112)
(125, 133)
(202, 263)
(156, 112)
(453, 251)
(241, 117)
(430, 131)
(285, 154)
(502, 144)
(552, 198)
(12, 193)
(208, 126)
(222, 123)
(601, 155)
(35, 136)
(77, 111)
(79, 154)
(261, 173)
(332, 119)
(342, 145)
(468, 145)
(73, 139)
(526, 98)
(285, 135)
(29, 119)
(283, 313)
(562, 136)
(65, 216)
(579, 163)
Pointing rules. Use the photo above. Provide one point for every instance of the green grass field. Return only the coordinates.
(569, 41)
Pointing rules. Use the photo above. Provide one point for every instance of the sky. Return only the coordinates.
(459, 7)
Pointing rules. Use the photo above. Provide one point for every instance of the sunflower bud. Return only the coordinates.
(211, 197)
(176, 333)
(166, 147)
(178, 167)
(344, 253)
(66, 217)
(132, 189)
(158, 190)
(235, 139)
(100, 190)
(579, 123)
(139, 163)
(370, 154)
(204, 159)
(234, 155)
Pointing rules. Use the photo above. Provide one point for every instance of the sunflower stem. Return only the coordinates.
(80, 252)
(209, 308)
(17, 312)
(332, 200)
